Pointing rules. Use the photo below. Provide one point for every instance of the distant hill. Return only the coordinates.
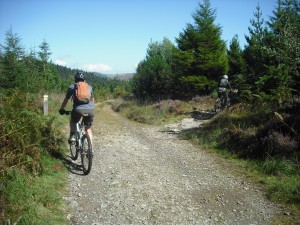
(124, 76)
(68, 73)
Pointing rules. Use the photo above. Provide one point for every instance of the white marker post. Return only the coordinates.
(45, 105)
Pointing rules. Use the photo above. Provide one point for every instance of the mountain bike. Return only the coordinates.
(224, 99)
(82, 145)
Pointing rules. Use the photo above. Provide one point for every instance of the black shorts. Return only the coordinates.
(78, 113)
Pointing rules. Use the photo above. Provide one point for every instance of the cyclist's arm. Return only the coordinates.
(64, 103)
(92, 98)
(68, 96)
(92, 95)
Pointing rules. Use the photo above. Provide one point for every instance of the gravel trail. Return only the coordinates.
(141, 175)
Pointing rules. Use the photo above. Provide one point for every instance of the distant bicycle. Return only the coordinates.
(223, 100)
(82, 145)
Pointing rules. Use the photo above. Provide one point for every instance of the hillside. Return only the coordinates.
(124, 76)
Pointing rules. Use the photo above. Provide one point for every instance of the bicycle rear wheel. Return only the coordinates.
(218, 106)
(73, 151)
(86, 154)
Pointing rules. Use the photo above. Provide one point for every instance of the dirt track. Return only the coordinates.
(141, 175)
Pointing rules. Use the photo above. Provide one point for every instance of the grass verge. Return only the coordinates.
(32, 175)
(35, 199)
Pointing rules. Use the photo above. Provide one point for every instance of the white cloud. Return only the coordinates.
(60, 62)
(101, 68)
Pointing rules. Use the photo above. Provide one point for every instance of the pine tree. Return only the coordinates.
(235, 57)
(285, 42)
(255, 52)
(13, 53)
(202, 57)
(44, 53)
(236, 62)
(32, 81)
(154, 77)
(272, 56)
(48, 71)
(202, 52)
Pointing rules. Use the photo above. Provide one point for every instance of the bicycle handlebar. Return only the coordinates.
(66, 112)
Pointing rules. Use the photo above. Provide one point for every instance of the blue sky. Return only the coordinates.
(112, 36)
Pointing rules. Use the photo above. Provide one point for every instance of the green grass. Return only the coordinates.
(36, 199)
(285, 189)
(32, 177)
(281, 179)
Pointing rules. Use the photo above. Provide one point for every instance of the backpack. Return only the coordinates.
(82, 93)
(223, 83)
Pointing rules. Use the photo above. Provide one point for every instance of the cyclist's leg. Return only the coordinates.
(227, 100)
(218, 102)
(222, 100)
(72, 127)
(88, 121)
(90, 133)
(75, 117)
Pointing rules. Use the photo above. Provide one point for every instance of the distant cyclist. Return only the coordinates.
(80, 108)
(223, 100)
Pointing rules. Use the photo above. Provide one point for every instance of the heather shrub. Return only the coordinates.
(276, 144)
(169, 106)
(241, 142)
(203, 103)
(118, 104)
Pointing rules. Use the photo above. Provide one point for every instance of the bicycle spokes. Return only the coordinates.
(86, 154)
(73, 151)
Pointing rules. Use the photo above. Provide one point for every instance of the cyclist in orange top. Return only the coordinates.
(79, 109)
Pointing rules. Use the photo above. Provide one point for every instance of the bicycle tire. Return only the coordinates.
(218, 106)
(86, 154)
(73, 151)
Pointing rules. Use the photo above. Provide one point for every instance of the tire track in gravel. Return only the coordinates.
(143, 176)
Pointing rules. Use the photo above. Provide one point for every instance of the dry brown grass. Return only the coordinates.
(203, 103)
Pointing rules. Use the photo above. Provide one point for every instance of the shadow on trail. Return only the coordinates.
(205, 115)
(74, 167)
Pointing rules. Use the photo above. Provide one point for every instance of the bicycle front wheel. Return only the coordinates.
(73, 151)
(86, 154)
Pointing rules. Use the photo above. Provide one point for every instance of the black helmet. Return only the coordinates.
(79, 76)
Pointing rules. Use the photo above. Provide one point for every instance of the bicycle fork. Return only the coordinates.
(78, 134)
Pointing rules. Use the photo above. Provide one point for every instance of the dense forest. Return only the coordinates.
(266, 69)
